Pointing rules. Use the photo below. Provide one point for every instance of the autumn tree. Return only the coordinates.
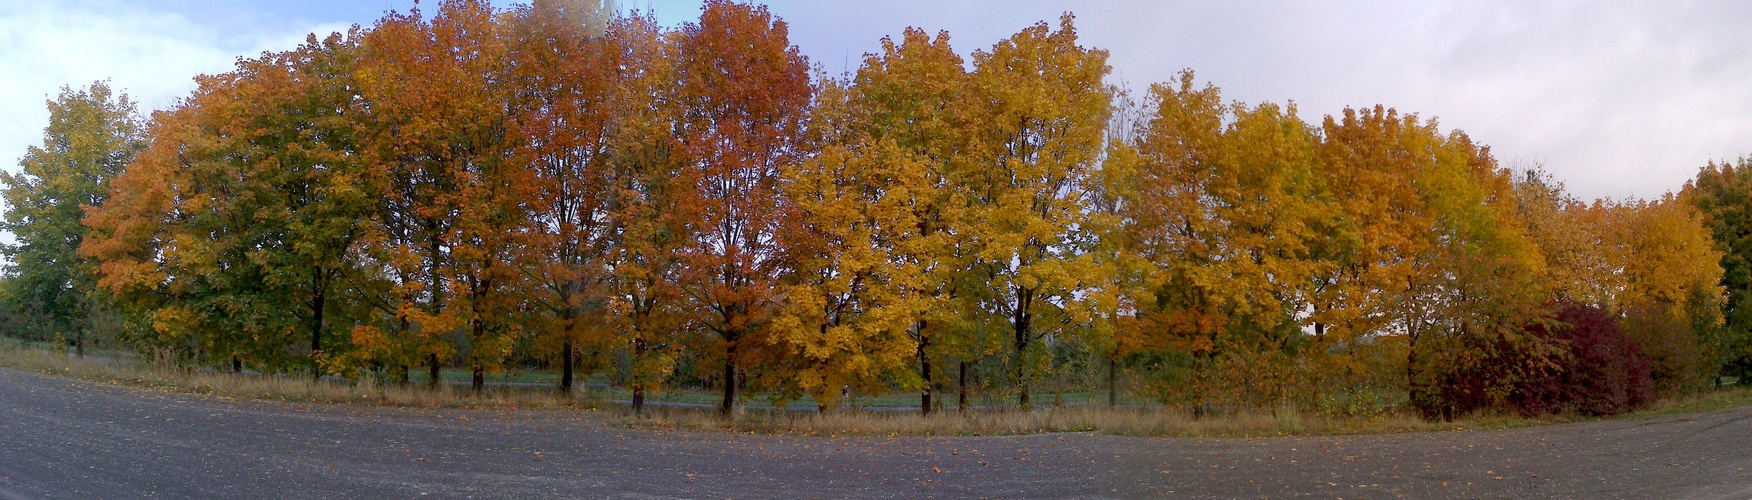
(93, 133)
(1441, 260)
(1653, 263)
(1227, 210)
(245, 211)
(441, 150)
(647, 227)
(1572, 238)
(567, 84)
(1667, 272)
(1041, 128)
(309, 174)
(840, 325)
(913, 117)
(743, 92)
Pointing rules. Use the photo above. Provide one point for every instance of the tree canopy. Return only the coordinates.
(559, 185)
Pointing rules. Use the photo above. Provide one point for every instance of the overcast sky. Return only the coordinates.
(1617, 99)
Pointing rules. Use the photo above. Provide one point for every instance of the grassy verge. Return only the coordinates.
(289, 388)
(1045, 419)
(1128, 421)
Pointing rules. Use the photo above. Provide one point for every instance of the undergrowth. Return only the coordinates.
(1047, 419)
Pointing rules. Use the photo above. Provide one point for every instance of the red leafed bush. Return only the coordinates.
(1605, 373)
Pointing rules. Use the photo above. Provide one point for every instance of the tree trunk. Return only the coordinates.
(961, 390)
(236, 364)
(1113, 381)
(436, 287)
(480, 379)
(316, 303)
(729, 403)
(924, 370)
(1411, 387)
(1023, 298)
(568, 316)
(401, 372)
(566, 362)
(638, 383)
(432, 362)
(320, 284)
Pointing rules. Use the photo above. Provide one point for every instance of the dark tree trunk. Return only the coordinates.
(729, 403)
(566, 362)
(400, 372)
(1024, 298)
(432, 364)
(924, 370)
(1113, 381)
(478, 293)
(436, 287)
(1415, 391)
(569, 316)
(316, 306)
(319, 282)
(638, 383)
(961, 390)
(236, 364)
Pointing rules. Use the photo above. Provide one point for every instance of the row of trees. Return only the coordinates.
(554, 181)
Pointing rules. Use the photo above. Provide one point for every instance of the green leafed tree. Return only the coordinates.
(93, 134)
(1723, 192)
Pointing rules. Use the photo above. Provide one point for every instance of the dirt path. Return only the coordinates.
(69, 439)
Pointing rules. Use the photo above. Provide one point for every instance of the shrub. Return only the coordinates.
(1604, 374)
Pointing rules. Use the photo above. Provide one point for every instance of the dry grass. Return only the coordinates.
(1084, 418)
(1732, 396)
(1120, 421)
(290, 387)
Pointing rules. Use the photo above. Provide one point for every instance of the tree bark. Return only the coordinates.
(480, 379)
(569, 316)
(924, 370)
(1024, 297)
(316, 306)
(319, 282)
(638, 383)
(566, 362)
(961, 390)
(402, 372)
(432, 362)
(236, 364)
(729, 403)
(1113, 381)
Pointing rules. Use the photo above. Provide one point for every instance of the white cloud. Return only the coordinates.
(152, 55)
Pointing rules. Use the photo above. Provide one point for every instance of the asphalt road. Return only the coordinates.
(67, 439)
